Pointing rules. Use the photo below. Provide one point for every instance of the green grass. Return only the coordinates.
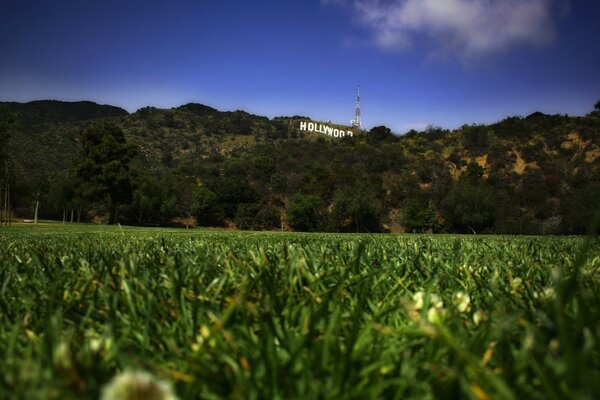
(278, 316)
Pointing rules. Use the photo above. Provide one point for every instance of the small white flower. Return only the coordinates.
(479, 317)
(137, 385)
(95, 344)
(62, 356)
(418, 298)
(516, 284)
(435, 301)
(547, 294)
(462, 301)
(436, 315)
(94, 340)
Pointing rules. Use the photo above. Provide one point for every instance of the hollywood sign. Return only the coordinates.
(322, 128)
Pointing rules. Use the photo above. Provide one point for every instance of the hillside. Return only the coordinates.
(536, 174)
(53, 111)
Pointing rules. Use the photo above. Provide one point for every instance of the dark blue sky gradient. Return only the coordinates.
(275, 58)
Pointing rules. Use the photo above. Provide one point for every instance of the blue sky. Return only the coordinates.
(418, 62)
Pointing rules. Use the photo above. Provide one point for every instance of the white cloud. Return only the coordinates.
(463, 28)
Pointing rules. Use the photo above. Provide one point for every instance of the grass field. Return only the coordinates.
(306, 316)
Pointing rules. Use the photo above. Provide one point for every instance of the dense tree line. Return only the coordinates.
(194, 164)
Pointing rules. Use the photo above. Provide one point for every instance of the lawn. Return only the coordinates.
(255, 315)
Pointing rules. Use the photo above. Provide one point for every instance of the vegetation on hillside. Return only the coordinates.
(532, 175)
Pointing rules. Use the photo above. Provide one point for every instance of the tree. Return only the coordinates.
(6, 167)
(5, 128)
(257, 216)
(156, 196)
(581, 210)
(357, 209)
(206, 208)
(103, 166)
(232, 191)
(305, 212)
(474, 172)
(419, 215)
(381, 134)
(469, 206)
(6, 121)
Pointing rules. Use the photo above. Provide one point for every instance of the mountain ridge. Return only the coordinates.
(44, 111)
(540, 170)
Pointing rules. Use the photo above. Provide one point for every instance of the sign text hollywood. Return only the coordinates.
(322, 128)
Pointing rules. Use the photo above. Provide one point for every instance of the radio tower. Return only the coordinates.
(356, 120)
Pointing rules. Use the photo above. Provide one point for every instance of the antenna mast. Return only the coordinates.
(356, 120)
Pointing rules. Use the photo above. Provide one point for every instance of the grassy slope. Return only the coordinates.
(271, 315)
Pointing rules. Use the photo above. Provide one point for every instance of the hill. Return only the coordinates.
(534, 174)
(53, 111)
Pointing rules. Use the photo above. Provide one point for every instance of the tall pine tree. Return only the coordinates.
(103, 168)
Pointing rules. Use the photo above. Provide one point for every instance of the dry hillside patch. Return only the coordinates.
(592, 155)
(520, 164)
(573, 139)
(481, 160)
(483, 163)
